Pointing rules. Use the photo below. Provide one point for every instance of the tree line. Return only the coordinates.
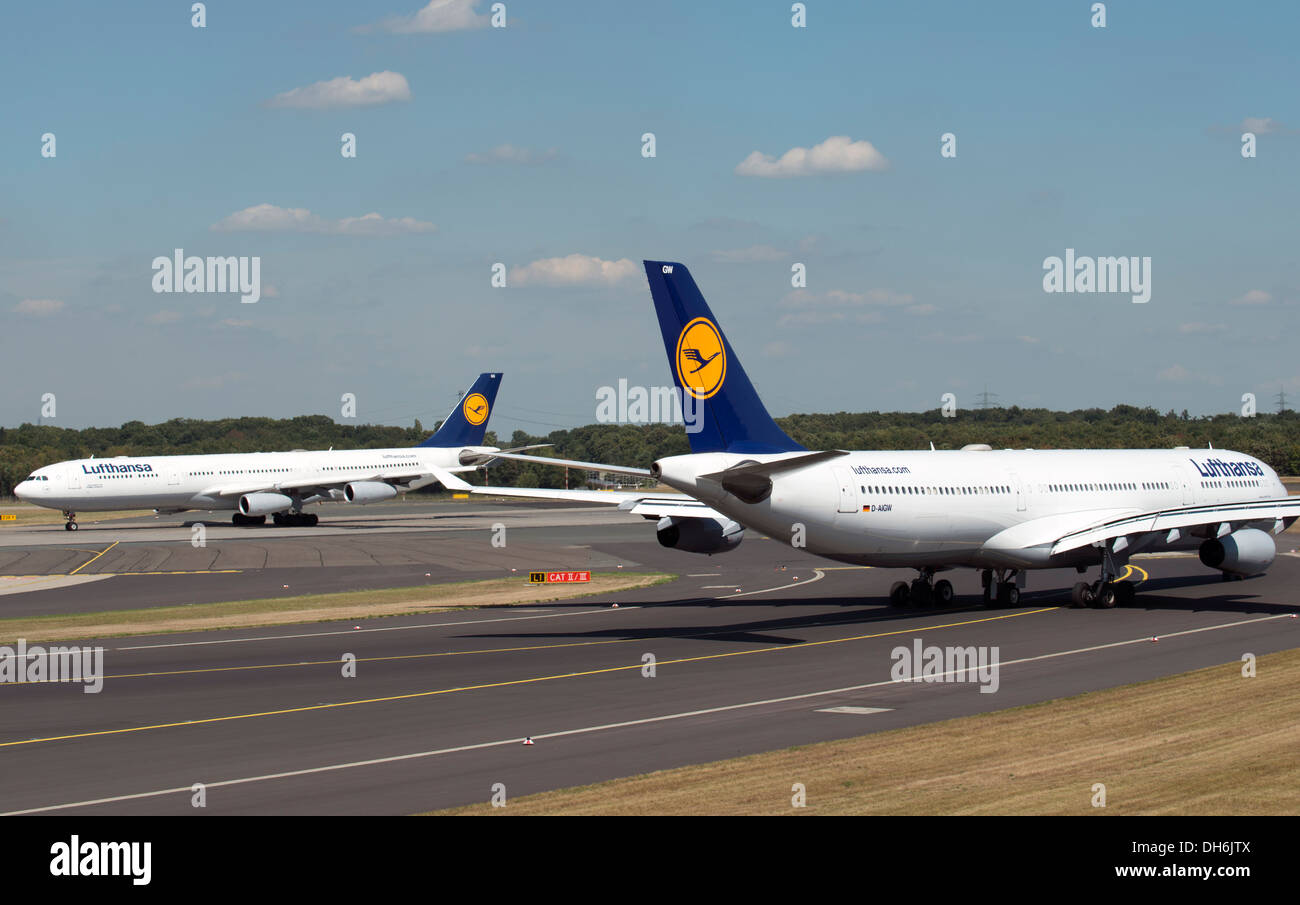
(1272, 438)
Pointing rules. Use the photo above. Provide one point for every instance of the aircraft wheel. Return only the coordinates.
(1008, 594)
(900, 594)
(943, 593)
(70, 526)
(1104, 597)
(1081, 595)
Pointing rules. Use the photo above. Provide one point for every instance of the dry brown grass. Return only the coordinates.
(1205, 742)
(26, 514)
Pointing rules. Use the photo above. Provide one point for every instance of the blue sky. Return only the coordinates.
(521, 145)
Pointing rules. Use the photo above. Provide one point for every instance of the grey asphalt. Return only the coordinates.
(150, 566)
(435, 715)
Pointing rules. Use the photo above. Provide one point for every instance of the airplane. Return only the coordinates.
(1002, 512)
(278, 484)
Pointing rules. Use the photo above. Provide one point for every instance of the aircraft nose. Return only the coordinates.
(21, 490)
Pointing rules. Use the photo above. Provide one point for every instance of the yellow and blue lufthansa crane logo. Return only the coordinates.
(475, 408)
(701, 358)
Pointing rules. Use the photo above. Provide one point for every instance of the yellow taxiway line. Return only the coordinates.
(95, 557)
(512, 682)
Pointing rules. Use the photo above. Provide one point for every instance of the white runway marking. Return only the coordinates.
(309, 771)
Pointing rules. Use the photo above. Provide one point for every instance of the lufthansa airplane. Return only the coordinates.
(1002, 512)
(277, 484)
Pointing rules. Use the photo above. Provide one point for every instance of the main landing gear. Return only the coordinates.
(924, 591)
(1105, 593)
(281, 519)
(295, 519)
(71, 523)
(1001, 593)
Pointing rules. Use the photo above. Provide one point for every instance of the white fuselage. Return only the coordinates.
(948, 508)
(217, 481)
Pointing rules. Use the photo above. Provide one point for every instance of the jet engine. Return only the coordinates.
(264, 503)
(699, 535)
(369, 491)
(1245, 552)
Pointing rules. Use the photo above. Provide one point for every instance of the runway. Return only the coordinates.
(750, 649)
(148, 562)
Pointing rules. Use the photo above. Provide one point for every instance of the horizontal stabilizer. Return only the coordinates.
(573, 463)
(767, 469)
(753, 483)
(650, 505)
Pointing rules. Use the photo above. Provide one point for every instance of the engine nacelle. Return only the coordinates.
(264, 503)
(1245, 552)
(368, 492)
(699, 535)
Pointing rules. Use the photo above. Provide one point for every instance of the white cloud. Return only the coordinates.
(1253, 297)
(837, 154)
(1028, 339)
(752, 255)
(1262, 125)
(38, 307)
(164, 317)
(438, 16)
(574, 270)
(1175, 374)
(270, 218)
(838, 306)
(509, 154)
(344, 91)
(1199, 327)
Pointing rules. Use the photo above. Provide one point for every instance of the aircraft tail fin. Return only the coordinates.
(721, 407)
(467, 422)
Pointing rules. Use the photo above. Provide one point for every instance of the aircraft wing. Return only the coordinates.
(413, 479)
(648, 505)
(1183, 519)
(1068, 531)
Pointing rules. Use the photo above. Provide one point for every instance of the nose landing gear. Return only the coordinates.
(71, 523)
